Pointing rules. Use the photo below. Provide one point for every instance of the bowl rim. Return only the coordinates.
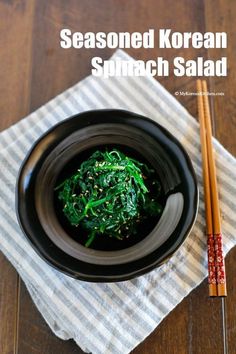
(21, 189)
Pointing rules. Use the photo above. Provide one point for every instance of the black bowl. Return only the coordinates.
(54, 155)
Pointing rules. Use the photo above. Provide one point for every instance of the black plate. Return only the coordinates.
(29, 220)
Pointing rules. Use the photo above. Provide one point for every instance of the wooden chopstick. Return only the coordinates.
(207, 195)
(216, 266)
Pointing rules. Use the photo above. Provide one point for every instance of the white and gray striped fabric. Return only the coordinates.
(111, 318)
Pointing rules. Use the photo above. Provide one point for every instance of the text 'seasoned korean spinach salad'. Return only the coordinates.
(110, 194)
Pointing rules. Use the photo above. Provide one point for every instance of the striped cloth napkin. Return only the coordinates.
(114, 317)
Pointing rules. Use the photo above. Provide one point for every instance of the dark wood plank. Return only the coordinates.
(15, 41)
(8, 307)
(15, 28)
(230, 311)
(224, 106)
(225, 128)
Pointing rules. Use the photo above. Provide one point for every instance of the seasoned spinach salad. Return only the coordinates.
(110, 194)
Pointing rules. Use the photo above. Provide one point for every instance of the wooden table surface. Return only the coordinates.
(34, 69)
